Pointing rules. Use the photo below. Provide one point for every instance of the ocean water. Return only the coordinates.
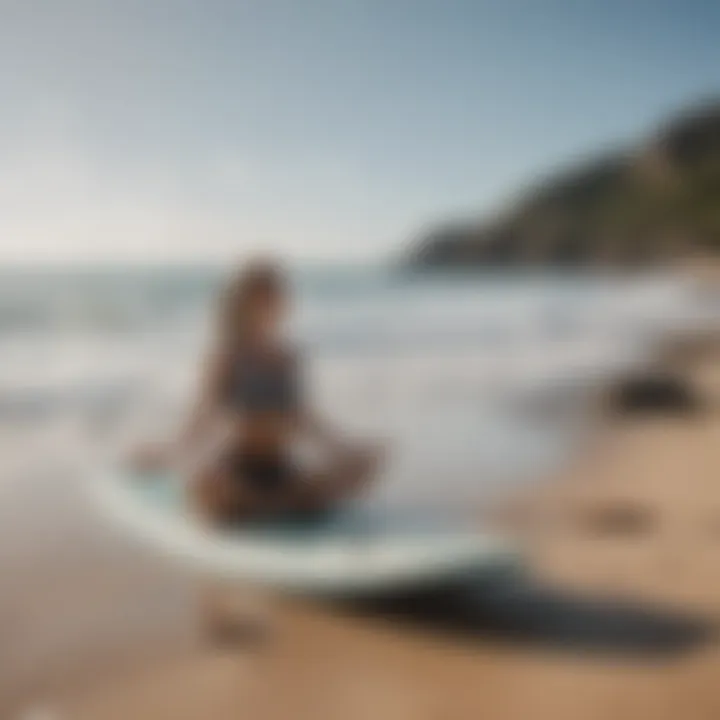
(476, 382)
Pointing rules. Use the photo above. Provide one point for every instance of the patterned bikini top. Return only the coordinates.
(263, 382)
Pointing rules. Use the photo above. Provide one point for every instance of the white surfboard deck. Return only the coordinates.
(352, 550)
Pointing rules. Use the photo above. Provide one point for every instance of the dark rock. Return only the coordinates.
(655, 394)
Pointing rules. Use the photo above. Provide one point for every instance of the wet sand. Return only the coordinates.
(94, 629)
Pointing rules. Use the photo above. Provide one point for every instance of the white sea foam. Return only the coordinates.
(435, 365)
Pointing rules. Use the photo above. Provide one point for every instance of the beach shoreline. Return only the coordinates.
(121, 636)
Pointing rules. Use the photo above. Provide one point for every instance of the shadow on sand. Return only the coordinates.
(517, 610)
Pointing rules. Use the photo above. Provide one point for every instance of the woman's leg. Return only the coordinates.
(347, 475)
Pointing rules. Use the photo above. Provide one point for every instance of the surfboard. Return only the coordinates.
(354, 549)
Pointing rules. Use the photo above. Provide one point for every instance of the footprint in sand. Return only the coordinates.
(619, 519)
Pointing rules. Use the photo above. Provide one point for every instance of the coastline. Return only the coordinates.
(138, 650)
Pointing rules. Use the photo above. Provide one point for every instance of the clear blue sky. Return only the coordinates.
(179, 129)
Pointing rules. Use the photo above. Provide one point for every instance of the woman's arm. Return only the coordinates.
(309, 424)
(211, 397)
(188, 443)
(317, 430)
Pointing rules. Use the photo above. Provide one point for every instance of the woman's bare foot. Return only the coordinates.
(357, 469)
(349, 473)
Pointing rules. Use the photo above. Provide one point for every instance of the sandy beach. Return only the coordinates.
(93, 628)
(359, 360)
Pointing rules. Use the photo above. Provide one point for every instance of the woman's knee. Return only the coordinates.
(364, 461)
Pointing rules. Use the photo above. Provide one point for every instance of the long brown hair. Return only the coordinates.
(256, 280)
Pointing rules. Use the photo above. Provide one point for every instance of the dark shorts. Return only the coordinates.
(264, 473)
